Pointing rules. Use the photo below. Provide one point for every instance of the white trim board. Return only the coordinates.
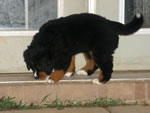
(91, 6)
(26, 14)
(17, 33)
(60, 8)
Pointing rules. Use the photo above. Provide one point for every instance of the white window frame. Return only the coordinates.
(91, 6)
(143, 31)
(26, 32)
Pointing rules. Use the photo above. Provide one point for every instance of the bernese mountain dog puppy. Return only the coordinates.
(54, 46)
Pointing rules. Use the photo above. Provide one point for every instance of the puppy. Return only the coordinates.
(58, 40)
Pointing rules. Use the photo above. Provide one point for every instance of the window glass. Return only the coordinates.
(134, 6)
(41, 11)
(12, 14)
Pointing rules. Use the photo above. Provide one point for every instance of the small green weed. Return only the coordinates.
(9, 103)
(98, 102)
(104, 102)
(45, 98)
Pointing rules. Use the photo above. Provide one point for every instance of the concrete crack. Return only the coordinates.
(108, 109)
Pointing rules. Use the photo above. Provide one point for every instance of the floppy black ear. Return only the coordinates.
(28, 67)
(27, 59)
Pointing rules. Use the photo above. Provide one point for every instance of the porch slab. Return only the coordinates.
(116, 75)
(130, 86)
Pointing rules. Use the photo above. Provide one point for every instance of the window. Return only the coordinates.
(133, 6)
(26, 14)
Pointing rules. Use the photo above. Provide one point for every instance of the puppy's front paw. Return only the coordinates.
(69, 74)
(50, 81)
(96, 81)
(81, 72)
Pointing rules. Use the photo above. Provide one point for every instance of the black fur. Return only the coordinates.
(58, 40)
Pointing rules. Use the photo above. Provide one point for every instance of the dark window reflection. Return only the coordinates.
(134, 6)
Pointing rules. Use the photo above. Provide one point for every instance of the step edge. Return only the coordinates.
(75, 81)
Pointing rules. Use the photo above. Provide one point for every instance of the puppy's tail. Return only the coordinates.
(131, 27)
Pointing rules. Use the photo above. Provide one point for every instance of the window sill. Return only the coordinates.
(145, 31)
(17, 33)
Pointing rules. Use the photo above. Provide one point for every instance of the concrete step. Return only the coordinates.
(131, 86)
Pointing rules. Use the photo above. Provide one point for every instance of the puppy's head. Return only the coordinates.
(40, 64)
(43, 67)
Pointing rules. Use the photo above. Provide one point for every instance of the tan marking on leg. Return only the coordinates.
(42, 75)
(57, 75)
(72, 65)
(100, 78)
(90, 63)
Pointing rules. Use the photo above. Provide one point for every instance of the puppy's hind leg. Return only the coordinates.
(104, 61)
(70, 71)
(90, 66)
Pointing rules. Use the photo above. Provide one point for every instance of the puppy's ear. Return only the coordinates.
(27, 59)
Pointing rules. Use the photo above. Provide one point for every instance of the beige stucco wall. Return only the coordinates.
(108, 8)
(11, 53)
(133, 52)
(75, 6)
